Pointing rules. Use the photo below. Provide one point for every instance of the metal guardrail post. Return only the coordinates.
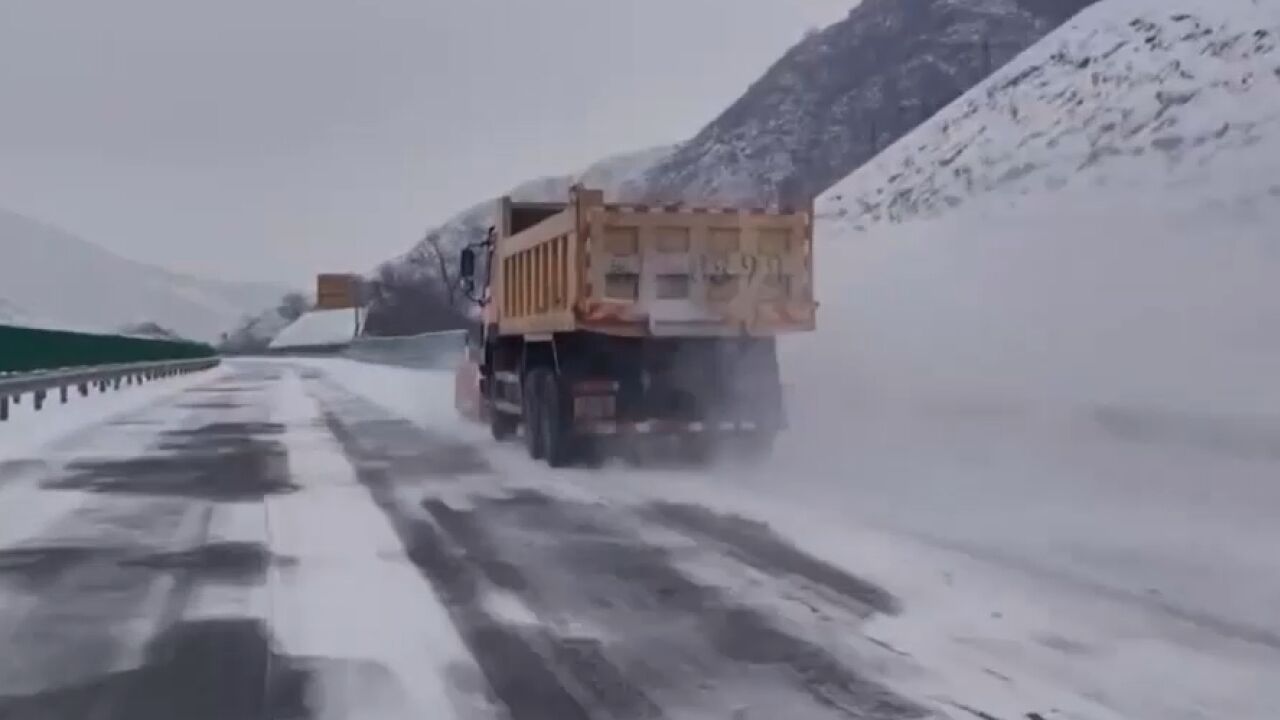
(105, 377)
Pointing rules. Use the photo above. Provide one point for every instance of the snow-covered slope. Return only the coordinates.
(843, 93)
(1097, 222)
(1131, 97)
(317, 328)
(63, 280)
(1132, 297)
(1047, 344)
(256, 332)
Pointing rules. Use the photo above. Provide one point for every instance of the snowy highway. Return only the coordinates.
(324, 539)
(263, 543)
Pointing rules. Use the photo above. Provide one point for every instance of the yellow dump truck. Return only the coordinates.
(605, 322)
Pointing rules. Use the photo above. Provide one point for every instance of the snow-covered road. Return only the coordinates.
(323, 539)
(269, 544)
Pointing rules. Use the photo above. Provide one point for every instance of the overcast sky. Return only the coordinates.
(273, 139)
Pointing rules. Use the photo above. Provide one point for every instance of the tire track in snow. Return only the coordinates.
(606, 625)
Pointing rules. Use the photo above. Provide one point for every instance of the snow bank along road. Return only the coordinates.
(266, 544)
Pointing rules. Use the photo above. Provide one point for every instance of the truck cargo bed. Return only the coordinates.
(632, 270)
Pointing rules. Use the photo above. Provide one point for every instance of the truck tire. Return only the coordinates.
(532, 404)
(554, 424)
(502, 425)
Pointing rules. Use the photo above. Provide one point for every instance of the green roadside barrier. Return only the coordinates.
(32, 349)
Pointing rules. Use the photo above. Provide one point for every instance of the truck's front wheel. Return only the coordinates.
(533, 419)
(502, 425)
(558, 442)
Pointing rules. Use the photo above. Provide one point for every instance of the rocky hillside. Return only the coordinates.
(1094, 226)
(1164, 93)
(843, 94)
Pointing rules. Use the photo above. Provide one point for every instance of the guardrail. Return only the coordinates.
(103, 377)
(24, 349)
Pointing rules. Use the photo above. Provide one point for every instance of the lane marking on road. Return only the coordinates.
(349, 590)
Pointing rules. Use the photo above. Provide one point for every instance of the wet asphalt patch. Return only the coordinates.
(630, 584)
(232, 562)
(406, 450)
(232, 430)
(616, 629)
(757, 545)
(512, 659)
(207, 670)
(36, 566)
(211, 405)
(228, 562)
(219, 461)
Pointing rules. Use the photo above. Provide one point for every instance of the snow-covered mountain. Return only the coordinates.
(839, 96)
(1157, 96)
(59, 279)
(1095, 226)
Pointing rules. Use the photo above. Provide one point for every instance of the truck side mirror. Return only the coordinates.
(467, 263)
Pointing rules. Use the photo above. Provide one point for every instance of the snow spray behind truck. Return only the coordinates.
(603, 322)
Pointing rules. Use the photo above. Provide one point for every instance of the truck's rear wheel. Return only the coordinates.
(502, 425)
(558, 442)
(532, 402)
